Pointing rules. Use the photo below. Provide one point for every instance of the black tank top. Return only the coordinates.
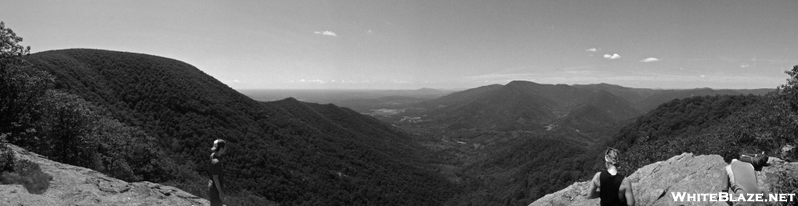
(216, 168)
(609, 189)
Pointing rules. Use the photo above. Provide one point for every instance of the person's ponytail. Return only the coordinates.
(611, 156)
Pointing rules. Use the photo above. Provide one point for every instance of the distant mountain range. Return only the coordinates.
(363, 101)
(524, 105)
(337, 95)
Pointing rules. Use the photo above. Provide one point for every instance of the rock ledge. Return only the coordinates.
(653, 184)
(72, 185)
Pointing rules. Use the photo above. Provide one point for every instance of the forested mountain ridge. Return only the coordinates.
(724, 125)
(530, 105)
(285, 151)
(647, 99)
(499, 134)
(522, 105)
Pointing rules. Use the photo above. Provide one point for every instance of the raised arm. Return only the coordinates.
(592, 189)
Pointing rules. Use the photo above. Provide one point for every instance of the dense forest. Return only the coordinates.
(725, 125)
(524, 172)
(141, 117)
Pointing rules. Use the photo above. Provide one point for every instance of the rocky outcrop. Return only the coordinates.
(654, 183)
(73, 185)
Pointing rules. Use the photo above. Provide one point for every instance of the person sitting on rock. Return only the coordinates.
(609, 185)
(741, 179)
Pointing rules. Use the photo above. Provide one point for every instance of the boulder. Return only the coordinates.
(655, 184)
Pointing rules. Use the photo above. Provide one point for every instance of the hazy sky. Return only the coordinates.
(406, 44)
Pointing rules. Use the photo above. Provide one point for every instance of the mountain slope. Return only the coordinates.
(648, 99)
(521, 105)
(514, 143)
(726, 125)
(286, 151)
(498, 132)
(663, 96)
(704, 125)
(523, 172)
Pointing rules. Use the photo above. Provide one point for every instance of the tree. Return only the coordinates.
(10, 50)
(789, 91)
(786, 105)
(21, 86)
(64, 129)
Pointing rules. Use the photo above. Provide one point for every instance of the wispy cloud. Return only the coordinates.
(650, 59)
(317, 81)
(775, 60)
(577, 68)
(236, 81)
(745, 66)
(687, 60)
(325, 33)
(592, 50)
(612, 56)
(727, 59)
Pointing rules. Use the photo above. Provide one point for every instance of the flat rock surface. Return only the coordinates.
(654, 183)
(72, 185)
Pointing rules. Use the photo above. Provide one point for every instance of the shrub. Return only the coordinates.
(21, 171)
(120, 169)
(787, 184)
(6, 159)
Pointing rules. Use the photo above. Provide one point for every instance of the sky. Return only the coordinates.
(408, 44)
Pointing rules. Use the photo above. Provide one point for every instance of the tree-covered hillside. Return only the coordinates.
(66, 127)
(524, 172)
(725, 125)
(527, 106)
(514, 143)
(285, 151)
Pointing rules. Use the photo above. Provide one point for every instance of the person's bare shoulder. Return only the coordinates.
(596, 178)
(626, 184)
